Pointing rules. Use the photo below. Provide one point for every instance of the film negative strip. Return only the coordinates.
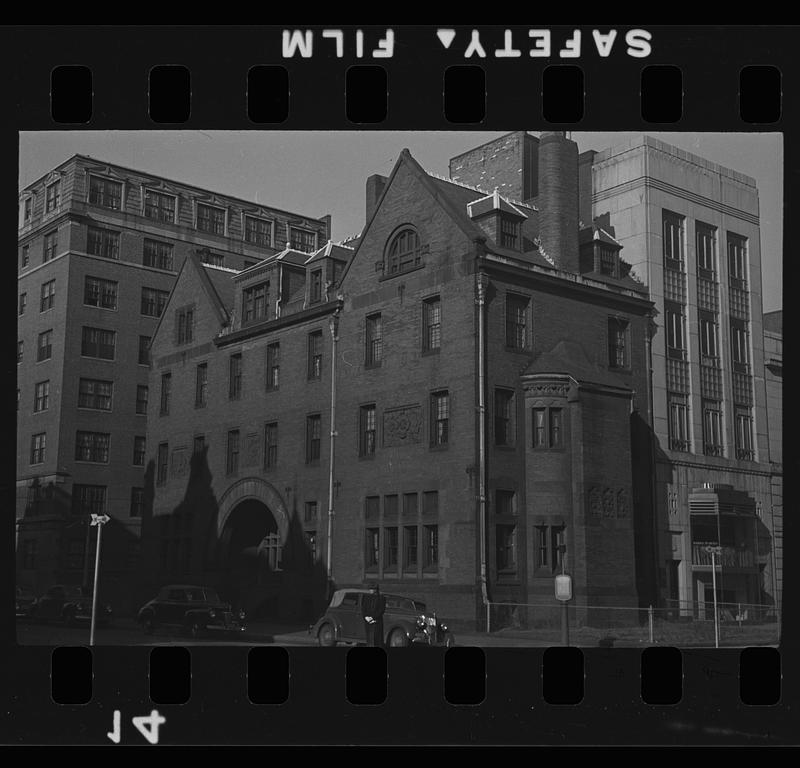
(522, 463)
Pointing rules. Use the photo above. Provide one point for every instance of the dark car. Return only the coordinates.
(25, 600)
(70, 603)
(405, 621)
(190, 608)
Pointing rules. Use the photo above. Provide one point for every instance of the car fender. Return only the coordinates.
(402, 625)
(196, 613)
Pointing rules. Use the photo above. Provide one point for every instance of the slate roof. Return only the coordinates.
(569, 358)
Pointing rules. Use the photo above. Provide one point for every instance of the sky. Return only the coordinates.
(319, 172)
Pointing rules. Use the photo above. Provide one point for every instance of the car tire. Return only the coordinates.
(147, 625)
(397, 639)
(326, 636)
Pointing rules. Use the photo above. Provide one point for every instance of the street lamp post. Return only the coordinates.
(714, 551)
(99, 521)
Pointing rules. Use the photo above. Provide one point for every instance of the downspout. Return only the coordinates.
(482, 284)
(650, 331)
(334, 326)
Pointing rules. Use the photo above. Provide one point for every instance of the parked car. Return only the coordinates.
(192, 609)
(405, 621)
(70, 603)
(25, 599)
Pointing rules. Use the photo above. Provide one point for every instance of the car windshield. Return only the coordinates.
(212, 596)
(195, 595)
(393, 602)
(74, 591)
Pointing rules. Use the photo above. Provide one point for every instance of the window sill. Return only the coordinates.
(434, 351)
(372, 366)
(367, 457)
(621, 369)
(519, 350)
(436, 448)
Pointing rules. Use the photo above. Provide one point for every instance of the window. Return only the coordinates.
(372, 506)
(137, 502)
(255, 301)
(97, 342)
(410, 547)
(737, 260)
(235, 377)
(712, 428)
(271, 549)
(506, 540)
(367, 430)
(316, 286)
(678, 422)
(509, 233)
(162, 463)
(95, 394)
(372, 552)
(26, 255)
(550, 547)
(29, 554)
(440, 418)
(744, 433)
(201, 386)
(139, 451)
(542, 549)
(708, 335)
(52, 197)
(157, 254)
(315, 355)
(390, 548)
(92, 446)
(618, 343)
(504, 417)
(105, 193)
(431, 546)
(45, 346)
(142, 396)
(27, 210)
(198, 444)
(609, 261)
(102, 242)
(184, 324)
(517, 321)
(310, 513)
(210, 219)
(430, 504)
(271, 445)
(431, 324)
(313, 436)
(214, 259)
(144, 350)
(548, 428)
(706, 250)
(38, 448)
(302, 239)
(311, 545)
(273, 365)
(374, 340)
(232, 456)
(23, 297)
(166, 390)
(50, 245)
(153, 302)
(88, 500)
(20, 348)
(504, 503)
(673, 241)
(740, 346)
(159, 206)
(676, 341)
(258, 231)
(404, 252)
(558, 546)
(41, 397)
(100, 293)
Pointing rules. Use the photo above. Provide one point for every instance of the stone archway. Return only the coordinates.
(260, 490)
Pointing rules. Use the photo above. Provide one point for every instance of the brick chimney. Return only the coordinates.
(558, 199)
(375, 186)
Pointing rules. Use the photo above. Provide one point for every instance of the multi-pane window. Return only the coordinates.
(166, 391)
(38, 448)
(517, 321)
(26, 255)
(92, 446)
(367, 430)
(504, 502)
(712, 428)
(372, 548)
(210, 219)
(88, 500)
(737, 260)
(273, 365)
(100, 293)
(676, 338)
(558, 546)
(509, 233)
(153, 302)
(97, 342)
(255, 300)
(315, 355)
(440, 417)
(410, 547)
(740, 346)
(548, 428)
(105, 192)
(44, 350)
(27, 210)
(313, 438)
(137, 502)
(678, 422)
(144, 350)
(50, 245)
(431, 324)
(258, 231)
(708, 335)
(201, 386)
(743, 418)
(232, 454)
(139, 450)
(41, 398)
(48, 296)
(673, 241)
(391, 543)
(430, 504)
(542, 547)
(157, 254)
(20, 350)
(235, 376)
(374, 339)
(271, 444)
(142, 396)
(52, 197)
(706, 250)
(102, 242)
(404, 252)
(214, 259)
(506, 540)
(198, 444)
(23, 297)
(609, 261)
(184, 325)
(316, 286)
(504, 417)
(431, 543)
(96, 394)
(618, 355)
(302, 239)
(162, 463)
(159, 206)
(310, 512)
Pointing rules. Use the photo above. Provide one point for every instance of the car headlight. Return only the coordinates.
(241, 615)
(212, 613)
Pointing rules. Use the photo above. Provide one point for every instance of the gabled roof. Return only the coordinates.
(220, 279)
(289, 256)
(494, 202)
(595, 232)
(568, 358)
(332, 251)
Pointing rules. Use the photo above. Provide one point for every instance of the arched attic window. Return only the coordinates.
(404, 251)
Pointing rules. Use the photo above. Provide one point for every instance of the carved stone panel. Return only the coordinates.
(608, 503)
(402, 426)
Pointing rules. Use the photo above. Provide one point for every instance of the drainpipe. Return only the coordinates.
(482, 284)
(334, 326)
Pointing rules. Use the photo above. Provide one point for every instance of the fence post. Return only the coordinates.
(650, 622)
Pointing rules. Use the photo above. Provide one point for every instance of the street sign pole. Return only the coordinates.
(714, 587)
(99, 521)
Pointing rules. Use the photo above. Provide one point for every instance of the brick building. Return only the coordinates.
(99, 249)
(482, 364)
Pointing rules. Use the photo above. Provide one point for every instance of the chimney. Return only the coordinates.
(558, 199)
(375, 186)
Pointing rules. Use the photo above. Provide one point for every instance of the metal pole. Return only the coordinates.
(714, 589)
(85, 580)
(334, 326)
(488, 617)
(650, 622)
(564, 623)
(482, 284)
(96, 574)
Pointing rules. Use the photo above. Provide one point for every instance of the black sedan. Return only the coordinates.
(70, 603)
(193, 609)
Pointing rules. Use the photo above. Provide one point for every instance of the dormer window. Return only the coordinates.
(609, 261)
(255, 300)
(404, 252)
(302, 240)
(52, 197)
(509, 233)
(210, 219)
(105, 193)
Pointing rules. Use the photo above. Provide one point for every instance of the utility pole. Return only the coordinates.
(99, 521)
